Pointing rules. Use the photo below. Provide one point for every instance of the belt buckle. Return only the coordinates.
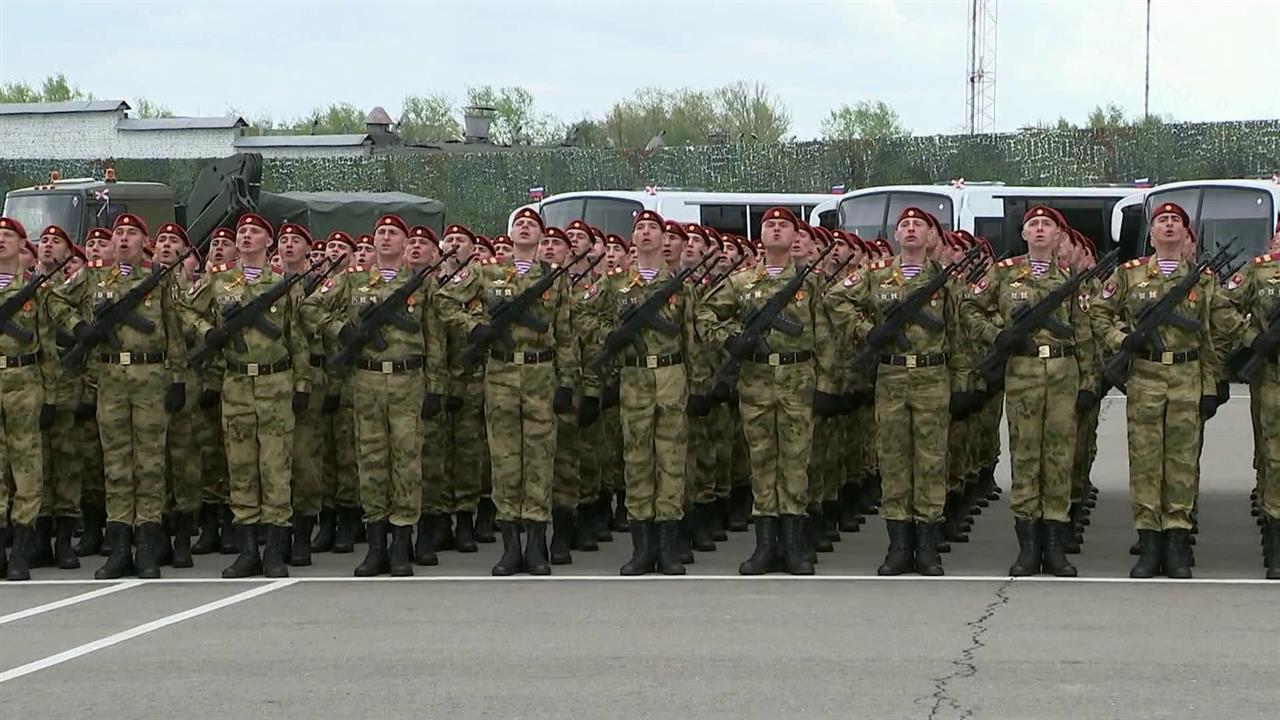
(388, 367)
(651, 362)
(126, 358)
(1043, 351)
(911, 360)
(1166, 358)
(251, 369)
(4, 362)
(517, 358)
(775, 359)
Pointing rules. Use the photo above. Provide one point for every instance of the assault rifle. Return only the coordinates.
(20, 298)
(575, 278)
(721, 277)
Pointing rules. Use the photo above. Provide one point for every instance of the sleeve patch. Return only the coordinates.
(1109, 290)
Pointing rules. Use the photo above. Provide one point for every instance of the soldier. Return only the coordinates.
(1046, 382)
(673, 242)
(502, 248)
(529, 378)
(93, 494)
(618, 258)
(140, 381)
(702, 516)
(483, 249)
(778, 379)
(1169, 392)
(364, 254)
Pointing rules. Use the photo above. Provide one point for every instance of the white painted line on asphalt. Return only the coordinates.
(116, 587)
(680, 578)
(106, 642)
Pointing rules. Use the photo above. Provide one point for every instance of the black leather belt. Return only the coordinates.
(132, 358)
(256, 369)
(1045, 352)
(17, 361)
(391, 367)
(914, 361)
(1173, 358)
(524, 358)
(654, 361)
(790, 358)
(317, 361)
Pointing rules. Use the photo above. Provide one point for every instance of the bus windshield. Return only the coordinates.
(1222, 215)
(873, 215)
(612, 215)
(36, 212)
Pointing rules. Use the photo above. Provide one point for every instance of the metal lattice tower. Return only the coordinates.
(980, 91)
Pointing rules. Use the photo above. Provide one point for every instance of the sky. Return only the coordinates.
(279, 59)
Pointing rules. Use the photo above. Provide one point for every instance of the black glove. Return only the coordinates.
(563, 400)
(612, 396)
(300, 401)
(1265, 346)
(739, 347)
(964, 404)
(588, 410)
(85, 333)
(697, 406)
(216, 337)
(1208, 406)
(825, 404)
(721, 392)
(1224, 392)
(208, 398)
(345, 334)
(879, 337)
(1005, 341)
(1085, 399)
(47, 412)
(85, 411)
(1134, 343)
(330, 403)
(481, 334)
(431, 405)
(175, 397)
(452, 403)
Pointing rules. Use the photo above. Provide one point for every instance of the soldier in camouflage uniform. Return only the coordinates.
(140, 380)
(93, 497)
(613, 484)
(1169, 393)
(1049, 378)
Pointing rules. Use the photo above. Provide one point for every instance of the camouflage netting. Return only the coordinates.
(481, 188)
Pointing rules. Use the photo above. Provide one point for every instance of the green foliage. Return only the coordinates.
(516, 121)
(336, 119)
(864, 120)
(428, 119)
(145, 108)
(54, 88)
(737, 112)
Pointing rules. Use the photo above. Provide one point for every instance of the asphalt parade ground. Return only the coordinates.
(454, 642)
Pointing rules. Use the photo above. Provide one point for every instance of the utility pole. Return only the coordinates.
(1146, 85)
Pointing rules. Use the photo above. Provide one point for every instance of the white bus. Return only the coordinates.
(990, 210)
(614, 210)
(1222, 211)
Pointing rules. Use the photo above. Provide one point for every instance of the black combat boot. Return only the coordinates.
(1054, 560)
(209, 537)
(848, 507)
(64, 554)
(561, 536)
(512, 560)
(270, 559)
(535, 548)
(644, 554)
(831, 519)
(900, 558)
(486, 512)
(300, 552)
(668, 547)
(376, 560)
(682, 541)
(464, 537)
(4, 549)
(401, 544)
(441, 532)
(20, 555)
(765, 558)
(229, 535)
(584, 530)
(603, 514)
(953, 527)
(163, 541)
(248, 562)
(620, 521)
(718, 519)
(739, 507)
(794, 539)
(698, 523)
(424, 552)
(94, 522)
(146, 557)
(928, 562)
(40, 549)
(1177, 554)
(1270, 542)
(344, 533)
(328, 526)
(1028, 561)
(183, 525)
(814, 538)
(120, 562)
(1149, 546)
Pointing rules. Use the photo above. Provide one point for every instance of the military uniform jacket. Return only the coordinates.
(1254, 293)
(98, 284)
(65, 387)
(227, 286)
(1010, 286)
(28, 320)
(724, 312)
(465, 293)
(500, 282)
(1139, 283)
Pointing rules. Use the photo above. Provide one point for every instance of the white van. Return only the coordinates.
(614, 210)
(1222, 211)
(990, 210)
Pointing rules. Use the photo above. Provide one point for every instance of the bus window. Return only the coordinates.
(829, 219)
(612, 215)
(864, 215)
(873, 215)
(1220, 215)
(756, 216)
(559, 213)
(726, 218)
(991, 228)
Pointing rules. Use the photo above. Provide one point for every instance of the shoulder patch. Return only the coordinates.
(851, 280)
(1235, 281)
(980, 286)
(1263, 259)
(1109, 290)
(146, 264)
(1136, 262)
(221, 267)
(96, 263)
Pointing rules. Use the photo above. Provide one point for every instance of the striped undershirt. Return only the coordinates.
(774, 270)
(1039, 267)
(387, 273)
(6, 279)
(647, 273)
(1167, 266)
(910, 271)
(523, 266)
(125, 269)
(252, 273)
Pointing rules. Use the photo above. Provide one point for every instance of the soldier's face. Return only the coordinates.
(168, 247)
(364, 254)
(526, 233)
(292, 248)
(1168, 235)
(222, 250)
(695, 248)
(778, 235)
(729, 255)
(502, 251)
(128, 241)
(672, 246)
(615, 256)
(911, 233)
(482, 253)
(73, 266)
(461, 244)
(647, 236)
(555, 250)
(579, 240)
(389, 240)
(1041, 235)
(315, 257)
(418, 252)
(840, 253)
(252, 240)
(10, 244)
(277, 265)
(337, 251)
(52, 249)
(597, 248)
(803, 247)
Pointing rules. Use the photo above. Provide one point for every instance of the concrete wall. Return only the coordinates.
(216, 142)
(60, 135)
(310, 152)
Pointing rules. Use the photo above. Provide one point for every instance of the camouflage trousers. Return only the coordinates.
(307, 496)
(700, 461)
(1085, 451)
(824, 458)
(989, 417)
(133, 426)
(592, 443)
(1163, 415)
(611, 473)
(522, 438)
(655, 441)
(88, 450)
(721, 432)
(434, 433)
(389, 450)
(341, 477)
(776, 404)
(64, 466)
(465, 449)
(1268, 392)
(182, 459)
(21, 454)
(207, 428)
(1040, 398)
(564, 487)
(912, 419)
(257, 425)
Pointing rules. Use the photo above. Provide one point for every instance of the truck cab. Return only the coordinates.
(78, 205)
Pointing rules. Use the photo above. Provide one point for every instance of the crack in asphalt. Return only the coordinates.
(965, 664)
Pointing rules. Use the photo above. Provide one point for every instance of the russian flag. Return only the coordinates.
(536, 193)
(1142, 183)
(837, 189)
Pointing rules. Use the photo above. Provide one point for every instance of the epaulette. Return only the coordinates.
(1264, 259)
(616, 271)
(357, 268)
(95, 263)
(146, 264)
(490, 261)
(1010, 262)
(880, 264)
(1136, 262)
(221, 267)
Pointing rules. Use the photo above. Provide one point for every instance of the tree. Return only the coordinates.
(1107, 117)
(864, 120)
(516, 122)
(145, 108)
(336, 119)
(587, 133)
(691, 117)
(55, 88)
(428, 119)
(750, 112)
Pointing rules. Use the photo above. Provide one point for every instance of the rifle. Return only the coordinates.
(516, 312)
(109, 315)
(1164, 311)
(575, 278)
(443, 279)
(765, 318)
(835, 272)
(1248, 371)
(722, 276)
(637, 318)
(373, 317)
(237, 318)
(1026, 319)
(313, 281)
(910, 309)
(20, 298)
